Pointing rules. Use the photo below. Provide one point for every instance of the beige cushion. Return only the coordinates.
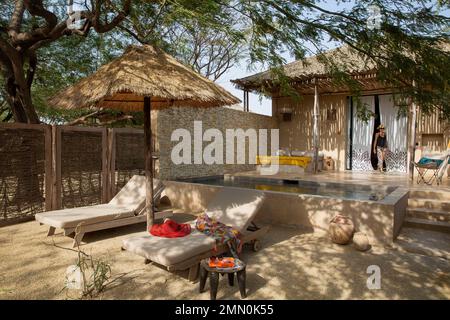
(128, 202)
(235, 207)
(132, 195)
(169, 251)
(70, 218)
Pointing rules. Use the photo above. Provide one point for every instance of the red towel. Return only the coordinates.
(170, 229)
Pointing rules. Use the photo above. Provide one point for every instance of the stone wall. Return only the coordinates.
(167, 120)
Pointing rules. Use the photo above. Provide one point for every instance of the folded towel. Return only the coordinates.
(429, 161)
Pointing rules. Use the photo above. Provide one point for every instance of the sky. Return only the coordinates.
(257, 104)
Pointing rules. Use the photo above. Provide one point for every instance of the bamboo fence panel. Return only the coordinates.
(46, 167)
(83, 169)
(128, 157)
(25, 155)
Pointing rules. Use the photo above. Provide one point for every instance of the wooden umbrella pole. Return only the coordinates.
(412, 142)
(148, 162)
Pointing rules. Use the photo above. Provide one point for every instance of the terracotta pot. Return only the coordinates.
(360, 241)
(341, 229)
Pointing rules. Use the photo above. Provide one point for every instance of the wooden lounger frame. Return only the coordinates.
(252, 235)
(82, 228)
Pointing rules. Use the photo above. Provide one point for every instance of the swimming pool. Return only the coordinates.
(329, 189)
(376, 210)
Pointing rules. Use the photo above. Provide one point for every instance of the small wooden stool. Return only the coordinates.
(213, 273)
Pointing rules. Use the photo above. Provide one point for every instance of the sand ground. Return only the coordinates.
(292, 264)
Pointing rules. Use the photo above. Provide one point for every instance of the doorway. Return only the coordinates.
(361, 135)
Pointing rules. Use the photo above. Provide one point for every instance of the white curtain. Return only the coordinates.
(396, 134)
(362, 137)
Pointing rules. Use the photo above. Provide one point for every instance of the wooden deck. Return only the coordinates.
(358, 177)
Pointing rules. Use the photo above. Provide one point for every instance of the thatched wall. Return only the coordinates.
(129, 157)
(22, 172)
(81, 168)
(297, 134)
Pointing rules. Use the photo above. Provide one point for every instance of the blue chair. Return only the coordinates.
(437, 164)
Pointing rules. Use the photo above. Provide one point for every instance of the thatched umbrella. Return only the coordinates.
(141, 79)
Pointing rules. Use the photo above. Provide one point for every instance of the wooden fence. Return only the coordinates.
(45, 167)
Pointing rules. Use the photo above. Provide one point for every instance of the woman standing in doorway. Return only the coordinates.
(380, 146)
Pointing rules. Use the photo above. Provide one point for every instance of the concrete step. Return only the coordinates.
(429, 194)
(424, 224)
(441, 205)
(428, 214)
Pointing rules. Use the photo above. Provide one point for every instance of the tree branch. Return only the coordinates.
(16, 19)
(102, 28)
(35, 8)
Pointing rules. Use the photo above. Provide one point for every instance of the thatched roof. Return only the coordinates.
(143, 71)
(302, 73)
(313, 67)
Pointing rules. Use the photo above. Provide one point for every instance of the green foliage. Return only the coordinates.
(63, 63)
(201, 34)
(5, 112)
(95, 274)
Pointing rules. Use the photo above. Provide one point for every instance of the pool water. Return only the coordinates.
(329, 189)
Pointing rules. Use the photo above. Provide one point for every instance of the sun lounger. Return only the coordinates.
(126, 208)
(437, 164)
(231, 206)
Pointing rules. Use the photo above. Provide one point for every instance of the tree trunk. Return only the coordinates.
(18, 82)
(14, 103)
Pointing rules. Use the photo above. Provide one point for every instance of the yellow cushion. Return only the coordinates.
(284, 160)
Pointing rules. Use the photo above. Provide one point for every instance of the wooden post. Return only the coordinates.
(316, 127)
(105, 165)
(148, 162)
(48, 168)
(112, 163)
(56, 161)
(412, 141)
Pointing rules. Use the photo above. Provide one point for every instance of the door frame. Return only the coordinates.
(349, 129)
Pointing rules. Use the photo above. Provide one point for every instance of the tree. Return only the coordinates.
(31, 26)
(198, 43)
